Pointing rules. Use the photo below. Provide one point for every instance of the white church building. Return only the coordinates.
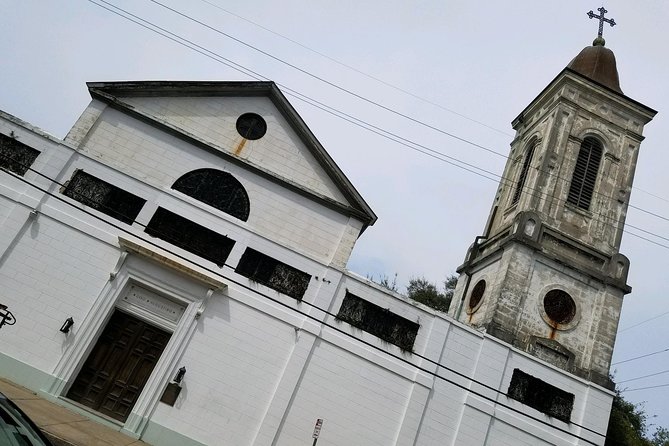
(175, 268)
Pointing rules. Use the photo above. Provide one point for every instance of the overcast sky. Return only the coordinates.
(464, 68)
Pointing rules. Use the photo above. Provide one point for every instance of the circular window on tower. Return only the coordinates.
(251, 126)
(476, 297)
(560, 308)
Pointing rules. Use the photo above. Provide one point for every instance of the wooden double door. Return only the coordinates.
(119, 365)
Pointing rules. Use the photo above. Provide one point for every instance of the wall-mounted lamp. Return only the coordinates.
(65, 328)
(180, 375)
(173, 389)
(6, 316)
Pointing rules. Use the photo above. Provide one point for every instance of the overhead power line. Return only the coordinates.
(342, 115)
(641, 357)
(645, 388)
(354, 94)
(356, 70)
(644, 321)
(377, 79)
(223, 60)
(642, 377)
(327, 82)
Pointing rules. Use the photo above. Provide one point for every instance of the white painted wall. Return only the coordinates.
(259, 371)
(157, 159)
(213, 120)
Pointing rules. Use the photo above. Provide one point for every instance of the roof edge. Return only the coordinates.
(566, 70)
(177, 88)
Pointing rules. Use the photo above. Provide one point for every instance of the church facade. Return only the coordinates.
(176, 268)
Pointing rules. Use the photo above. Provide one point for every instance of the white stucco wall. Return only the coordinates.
(262, 367)
(157, 159)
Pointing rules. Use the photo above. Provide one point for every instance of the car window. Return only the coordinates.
(15, 429)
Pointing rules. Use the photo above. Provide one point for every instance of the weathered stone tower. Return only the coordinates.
(547, 274)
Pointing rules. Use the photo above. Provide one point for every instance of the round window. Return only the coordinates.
(251, 126)
(477, 295)
(559, 307)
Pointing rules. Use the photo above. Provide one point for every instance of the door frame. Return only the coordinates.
(118, 366)
(155, 271)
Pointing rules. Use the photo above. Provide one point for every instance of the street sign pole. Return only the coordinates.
(317, 430)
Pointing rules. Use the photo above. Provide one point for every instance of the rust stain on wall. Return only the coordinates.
(552, 333)
(240, 146)
(554, 329)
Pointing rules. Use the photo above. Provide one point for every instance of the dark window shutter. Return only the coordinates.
(270, 272)
(541, 396)
(16, 156)
(585, 173)
(378, 321)
(104, 197)
(190, 236)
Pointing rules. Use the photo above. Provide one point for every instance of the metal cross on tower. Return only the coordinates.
(601, 18)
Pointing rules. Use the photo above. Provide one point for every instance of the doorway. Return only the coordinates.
(119, 365)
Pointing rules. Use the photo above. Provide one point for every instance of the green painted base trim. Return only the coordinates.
(23, 374)
(41, 382)
(160, 435)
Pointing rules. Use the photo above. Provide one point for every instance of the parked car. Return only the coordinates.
(16, 429)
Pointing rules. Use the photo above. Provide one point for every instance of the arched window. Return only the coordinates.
(216, 188)
(523, 174)
(585, 173)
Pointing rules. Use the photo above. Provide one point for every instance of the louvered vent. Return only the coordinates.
(585, 173)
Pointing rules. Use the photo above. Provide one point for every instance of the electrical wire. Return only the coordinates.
(393, 137)
(641, 357)
(646, 239)
(350, 92)
(352, 68)
(309, 316)
(240, 68)
(644, 321)
(325, 81)
(363, 124)
(642, 377)
(388, 84)
(645, 388)
(216, 57)
(648, 232)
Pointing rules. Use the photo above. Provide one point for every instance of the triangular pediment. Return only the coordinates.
(207, 113)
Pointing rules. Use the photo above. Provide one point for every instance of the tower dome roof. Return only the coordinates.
(598, 63)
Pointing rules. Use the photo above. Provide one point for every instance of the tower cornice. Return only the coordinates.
(643, 112)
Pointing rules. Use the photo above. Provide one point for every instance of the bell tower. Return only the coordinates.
(547, 275)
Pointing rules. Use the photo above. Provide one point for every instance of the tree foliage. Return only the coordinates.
(628, 426)
(422, 290)
(660, 437)
(389, 284)
(385, 281)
